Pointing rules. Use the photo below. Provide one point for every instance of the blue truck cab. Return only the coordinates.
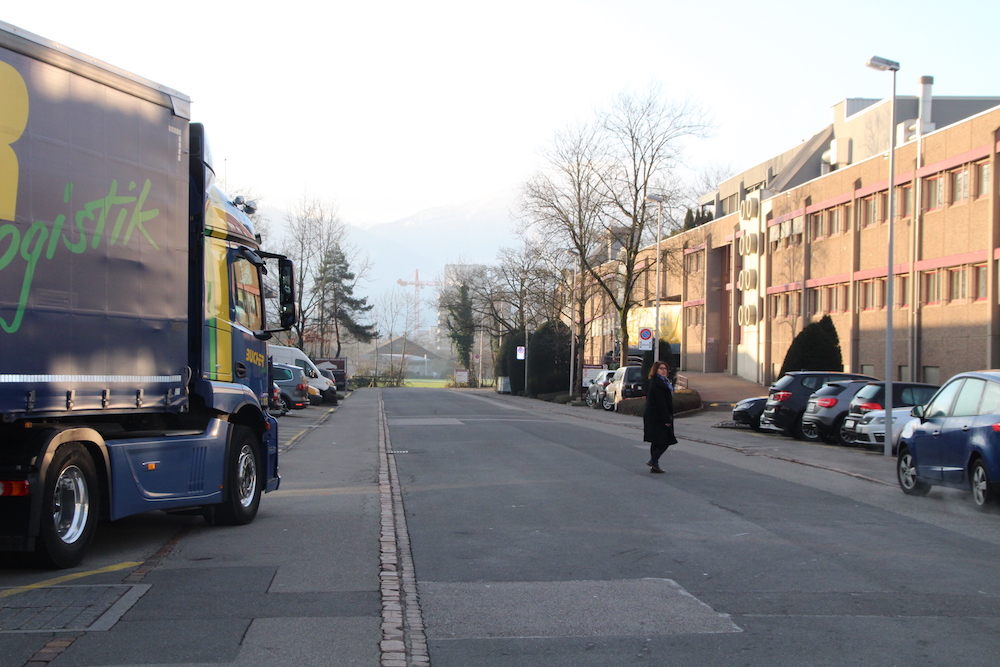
(134, 320)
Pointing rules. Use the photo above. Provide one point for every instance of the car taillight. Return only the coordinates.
(14, 488)
(826, 402)
(865, 407)
(996, 427)
(781, 396)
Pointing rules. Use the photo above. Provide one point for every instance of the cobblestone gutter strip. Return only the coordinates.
(404, 643)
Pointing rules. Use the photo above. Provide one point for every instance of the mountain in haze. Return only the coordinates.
(469, 233)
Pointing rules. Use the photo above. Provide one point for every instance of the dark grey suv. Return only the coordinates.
(826, 409)
(787, 397)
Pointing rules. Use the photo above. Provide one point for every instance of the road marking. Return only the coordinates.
(68, 577)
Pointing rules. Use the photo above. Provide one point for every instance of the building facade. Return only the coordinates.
(806, 235)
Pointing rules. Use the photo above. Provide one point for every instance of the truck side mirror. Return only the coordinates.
(286, 292)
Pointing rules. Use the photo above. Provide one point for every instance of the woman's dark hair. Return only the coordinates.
(656, 366)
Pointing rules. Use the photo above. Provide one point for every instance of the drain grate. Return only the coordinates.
(66, 608)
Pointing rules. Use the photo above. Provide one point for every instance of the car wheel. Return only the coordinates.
(982, 490)
(906, 473)
(755, 423)
(843, 437)
(70, 502)
(589, 399)
(608, 403)
(809, 431)
(796, 430)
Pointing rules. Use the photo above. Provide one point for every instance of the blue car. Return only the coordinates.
(955, 441)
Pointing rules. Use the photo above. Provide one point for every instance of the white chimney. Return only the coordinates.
(926, 99)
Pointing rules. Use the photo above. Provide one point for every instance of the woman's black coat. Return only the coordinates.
(659, 411)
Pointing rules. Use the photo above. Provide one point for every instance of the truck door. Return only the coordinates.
(247, 311)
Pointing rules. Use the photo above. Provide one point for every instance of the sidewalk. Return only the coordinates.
(717, 389)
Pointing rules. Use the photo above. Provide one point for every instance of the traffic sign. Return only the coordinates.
(645, 338)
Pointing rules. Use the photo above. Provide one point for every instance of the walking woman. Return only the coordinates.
(658, 419)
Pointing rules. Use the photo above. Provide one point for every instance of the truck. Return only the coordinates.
(133, 327)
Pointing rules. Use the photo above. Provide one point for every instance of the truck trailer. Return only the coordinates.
(133, 329)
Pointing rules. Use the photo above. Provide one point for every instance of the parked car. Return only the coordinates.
(872, 397)
(329, 375)
(870, 431)
(749, 410)
(597, 388)
(787, 397)
(293, 384)
(826, 409)
(955, 440)
(276, 405)
(627, 382)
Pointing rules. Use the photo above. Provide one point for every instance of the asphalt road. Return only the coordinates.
(455, 528)
(540, 538)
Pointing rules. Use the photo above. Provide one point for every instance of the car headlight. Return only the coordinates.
(869, 420)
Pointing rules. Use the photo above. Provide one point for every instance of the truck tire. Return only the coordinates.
(243, 480)
(70, 502)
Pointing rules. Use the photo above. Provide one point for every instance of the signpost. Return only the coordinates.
(645, 339)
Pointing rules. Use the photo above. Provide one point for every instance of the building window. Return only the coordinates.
(815, 300)
(693, 262)
(833, 222)
(979, 281)
(902, 296)
(930, 287)
(817, 226)
(867, 295)
(932, 374)
(882, 208)
(868, 212)
(773, 237)
(934, 193)
(868, 369)
(956, 284)
(904, 201)
(982, 178)
(832, 302)
(959, 185)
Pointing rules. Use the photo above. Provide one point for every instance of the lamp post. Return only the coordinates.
(572, 329)
(884, 65)
(656, 312)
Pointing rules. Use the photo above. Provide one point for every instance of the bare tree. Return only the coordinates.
(395, 319)
(592, 197)
(313, 230)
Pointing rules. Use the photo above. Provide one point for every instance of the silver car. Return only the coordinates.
(870, 430)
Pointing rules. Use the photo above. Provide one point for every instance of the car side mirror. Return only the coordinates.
(917, 411)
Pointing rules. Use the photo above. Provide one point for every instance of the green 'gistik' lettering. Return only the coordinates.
(40, 238)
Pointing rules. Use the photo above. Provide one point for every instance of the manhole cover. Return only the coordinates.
(66, 608)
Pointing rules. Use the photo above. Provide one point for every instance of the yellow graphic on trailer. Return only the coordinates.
(13, 121)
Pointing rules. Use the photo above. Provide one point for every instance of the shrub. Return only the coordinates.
(816, 348)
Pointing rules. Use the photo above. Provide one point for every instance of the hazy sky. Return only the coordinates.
(388, 108)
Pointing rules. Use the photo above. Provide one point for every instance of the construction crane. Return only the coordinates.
(417, 283)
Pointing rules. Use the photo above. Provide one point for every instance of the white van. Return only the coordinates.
(281, 354)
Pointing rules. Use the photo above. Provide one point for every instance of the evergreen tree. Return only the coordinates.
(339, 308)
(815, 349)
(461, 325)
(548, 358)
(690, 220)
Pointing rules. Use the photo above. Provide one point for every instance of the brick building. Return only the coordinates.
(806, 234)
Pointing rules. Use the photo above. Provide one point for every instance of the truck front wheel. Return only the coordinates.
(70, 498)
(243, 479)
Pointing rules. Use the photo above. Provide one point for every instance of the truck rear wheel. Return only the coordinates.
(70, 498)
(243, 479)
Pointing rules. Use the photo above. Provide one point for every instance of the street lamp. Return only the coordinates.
(884, 65)
(656, 313)
(572, 328)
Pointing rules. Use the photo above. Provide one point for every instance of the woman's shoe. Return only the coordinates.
(653, 468)
(649, 463)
